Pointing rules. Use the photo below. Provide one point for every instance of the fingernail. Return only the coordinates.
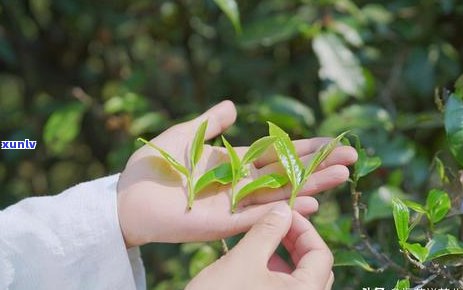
(281, 209)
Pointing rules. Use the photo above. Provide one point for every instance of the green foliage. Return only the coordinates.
(454, 125)
(351, 258)
(197, 146)
(137, 67)
(403, 284)
(63, 127)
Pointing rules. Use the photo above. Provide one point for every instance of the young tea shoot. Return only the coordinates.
(239, 168)
(196, 152)
(297, 173)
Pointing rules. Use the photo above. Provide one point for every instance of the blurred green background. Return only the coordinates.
(85, 78)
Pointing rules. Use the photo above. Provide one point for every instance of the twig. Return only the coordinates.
(425, 282)
(366, 240)
(224, 246)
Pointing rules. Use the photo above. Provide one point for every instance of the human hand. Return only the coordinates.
(152, 197)
(253, 264)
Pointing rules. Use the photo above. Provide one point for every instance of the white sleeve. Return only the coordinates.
(68, 241)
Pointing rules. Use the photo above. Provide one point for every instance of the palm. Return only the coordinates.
(158, 193)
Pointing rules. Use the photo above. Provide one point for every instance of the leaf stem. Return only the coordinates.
(292, 198)
(191, 194)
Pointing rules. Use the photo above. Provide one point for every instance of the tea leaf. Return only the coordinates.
(198, 144)
(182, 169)
(257, 149)
(438, 205)
(453, 120)
(415, 206)
(401, 218)
(443, 245)
(265, 181)
(403, 284)
(417, 250)
(351, 258)
(221, 174)
(365, 164)
(230, 9)
(321, 155)
(287, 154)
(234, 161)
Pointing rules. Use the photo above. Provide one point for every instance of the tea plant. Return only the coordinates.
(428, 232)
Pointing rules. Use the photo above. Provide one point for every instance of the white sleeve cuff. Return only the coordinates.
(69, 241)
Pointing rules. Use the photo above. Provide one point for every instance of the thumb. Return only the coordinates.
(264, 237)
(220, 117)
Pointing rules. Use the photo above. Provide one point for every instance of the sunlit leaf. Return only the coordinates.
(63, 126)
(198, 144)
(438, 205)
(285, 111)
(257, 149)
(182, 169)
(401, 218)
(339, 64)
(234, 161)
(230, 9)
(221, 174)
(443, 245)
(264, 181)
(415, 206)
(321, 155)
(356, 118)
(351, 258)
(403, 284)
(365, 164)
(417, 250)
(287, 154)
(453, 120)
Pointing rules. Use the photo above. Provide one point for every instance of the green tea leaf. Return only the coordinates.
(453, 120)
(287, 154)
(174, 163)
(321, 155)
(351, 258)
(438, 205)
(415, 206)
(403, 284)
(417, 250)
(265, 181)
(443, 245)
(234, 161)
(230, 8)
(221, 174)
(365, 164)
(257, 149)
(401, 218)
(198, 144)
